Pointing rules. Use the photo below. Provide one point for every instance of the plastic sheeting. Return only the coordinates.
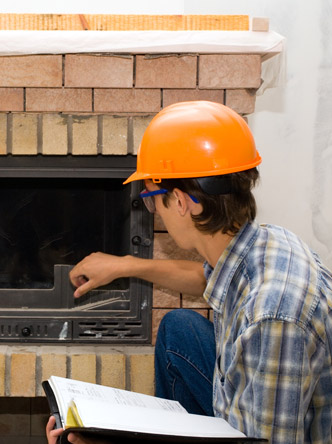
(61, 42)
(269, 44)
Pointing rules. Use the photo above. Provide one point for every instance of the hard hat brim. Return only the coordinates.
(136, 176)
(185, 175)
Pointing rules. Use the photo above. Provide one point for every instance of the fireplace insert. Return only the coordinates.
(54, 212)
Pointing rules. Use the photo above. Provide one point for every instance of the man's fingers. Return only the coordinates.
(82, 289)
(50, 425)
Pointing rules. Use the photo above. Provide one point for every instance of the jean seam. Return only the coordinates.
(189, 362)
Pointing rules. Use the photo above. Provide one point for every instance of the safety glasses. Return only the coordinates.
(148, 198)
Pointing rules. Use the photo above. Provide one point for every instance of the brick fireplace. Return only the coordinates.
(92, 106)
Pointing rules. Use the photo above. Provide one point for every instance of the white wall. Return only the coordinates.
(292, 124)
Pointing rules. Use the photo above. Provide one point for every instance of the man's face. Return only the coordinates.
(150, 186)
(175, 223)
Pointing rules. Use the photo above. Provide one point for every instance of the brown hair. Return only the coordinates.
(221, 212)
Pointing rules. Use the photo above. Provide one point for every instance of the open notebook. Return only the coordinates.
(98, 410)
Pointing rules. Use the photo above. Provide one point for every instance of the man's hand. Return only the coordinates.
(51, 433)
(75, 438)
(96, 270)
(99, 269)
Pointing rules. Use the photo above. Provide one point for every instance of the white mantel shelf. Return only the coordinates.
(63, 42)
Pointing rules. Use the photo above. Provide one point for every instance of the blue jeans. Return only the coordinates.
(184, 360)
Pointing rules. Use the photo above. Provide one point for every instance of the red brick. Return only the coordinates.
(183, 95)
(34, 70)
(241, 100)
(89, 71)
(11, 99)
(157, 315)
(229, 71)
(127, 100)
(59, 99)
(166, 72)
(190, 301)
(165, 298)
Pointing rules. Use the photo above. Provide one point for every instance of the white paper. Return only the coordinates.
(155, 421)
(114, 409)
(66, 390)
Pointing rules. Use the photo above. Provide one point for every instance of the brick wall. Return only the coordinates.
(126, 84)
(91, 104)
(23, 407)
(100, 104)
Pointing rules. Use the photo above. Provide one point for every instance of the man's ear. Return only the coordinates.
(181, 201)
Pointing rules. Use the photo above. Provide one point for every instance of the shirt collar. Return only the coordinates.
(220, 277)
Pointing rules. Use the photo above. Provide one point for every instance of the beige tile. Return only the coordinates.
(85, 135)
(139, 126)
(3, 134)
(22, 374)
(25, 134)
(53, 364)
(113, 370)
(115, 135)
(55, 134)
(83, 367)
(2, 374)
(142, 373)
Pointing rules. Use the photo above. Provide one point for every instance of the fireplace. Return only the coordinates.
(55, 211)
(73, 109)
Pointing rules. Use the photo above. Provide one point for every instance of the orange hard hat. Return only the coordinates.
(195, 139)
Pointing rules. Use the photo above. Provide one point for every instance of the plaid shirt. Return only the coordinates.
(272, 302)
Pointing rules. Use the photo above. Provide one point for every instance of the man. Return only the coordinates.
(265, 363)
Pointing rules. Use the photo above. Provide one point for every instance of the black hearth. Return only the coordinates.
(54, 212)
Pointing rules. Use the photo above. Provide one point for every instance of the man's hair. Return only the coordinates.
(221, 212)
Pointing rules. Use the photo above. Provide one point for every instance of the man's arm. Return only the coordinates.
(99, 269)
(268, 381)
